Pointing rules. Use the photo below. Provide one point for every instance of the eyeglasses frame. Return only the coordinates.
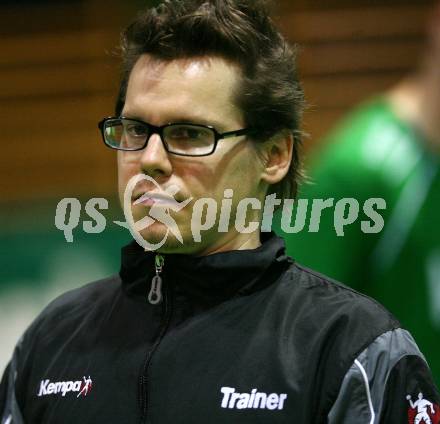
(153, 129)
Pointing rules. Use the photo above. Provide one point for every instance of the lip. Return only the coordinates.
(149, 199)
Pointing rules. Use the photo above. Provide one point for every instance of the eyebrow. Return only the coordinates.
(184, 119)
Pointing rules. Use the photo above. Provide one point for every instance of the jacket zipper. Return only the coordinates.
(156, 296)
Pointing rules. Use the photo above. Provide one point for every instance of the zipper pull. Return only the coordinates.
(155, 295)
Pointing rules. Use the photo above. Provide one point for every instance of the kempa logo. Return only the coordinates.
(253, 400)
(63, 387)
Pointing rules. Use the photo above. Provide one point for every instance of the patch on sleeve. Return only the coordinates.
(411, 396)
(422, 410)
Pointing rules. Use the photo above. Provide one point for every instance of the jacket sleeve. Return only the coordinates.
(389, 382)
(9, 409)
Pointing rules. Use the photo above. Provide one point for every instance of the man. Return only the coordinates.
(223, 328)
(387, 148)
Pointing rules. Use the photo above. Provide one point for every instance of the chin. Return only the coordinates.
(156, 233)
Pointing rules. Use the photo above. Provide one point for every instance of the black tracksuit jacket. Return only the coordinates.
(239, 337)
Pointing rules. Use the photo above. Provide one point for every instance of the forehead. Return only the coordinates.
(203, 87)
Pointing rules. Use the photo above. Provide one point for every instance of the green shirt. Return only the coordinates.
(373, 154)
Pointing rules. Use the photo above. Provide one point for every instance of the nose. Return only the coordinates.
(155, 159)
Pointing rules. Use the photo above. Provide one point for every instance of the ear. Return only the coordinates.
(276, 155)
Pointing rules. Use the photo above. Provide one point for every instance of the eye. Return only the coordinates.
(188, 133)
(136, 130)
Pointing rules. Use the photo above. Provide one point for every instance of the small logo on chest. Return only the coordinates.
(253, 400)
(82, 388)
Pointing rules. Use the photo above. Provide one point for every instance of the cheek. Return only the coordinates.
(247, 176)
(197, 177)
(127, 168)
(245, 169)
(240, 171)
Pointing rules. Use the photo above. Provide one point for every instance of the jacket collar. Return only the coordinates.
(213, 278)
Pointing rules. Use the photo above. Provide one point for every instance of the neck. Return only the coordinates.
(416, 100)
(236, 242)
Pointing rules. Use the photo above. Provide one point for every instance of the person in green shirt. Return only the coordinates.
(388, 148)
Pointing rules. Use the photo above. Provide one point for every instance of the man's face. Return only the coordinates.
(198, 91)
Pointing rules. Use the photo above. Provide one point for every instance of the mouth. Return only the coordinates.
(150, 199)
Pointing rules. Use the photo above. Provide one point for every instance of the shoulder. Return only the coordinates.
(370, 139)
(371, 363)
(373, 123)
(383, 379)
(83, 297)
(73, 307)
(76, 312)
(338, 316)
(336, 298)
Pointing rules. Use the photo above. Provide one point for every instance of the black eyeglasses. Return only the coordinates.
(178, 138)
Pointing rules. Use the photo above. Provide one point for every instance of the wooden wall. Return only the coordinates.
(59, 76)
(348, 53)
